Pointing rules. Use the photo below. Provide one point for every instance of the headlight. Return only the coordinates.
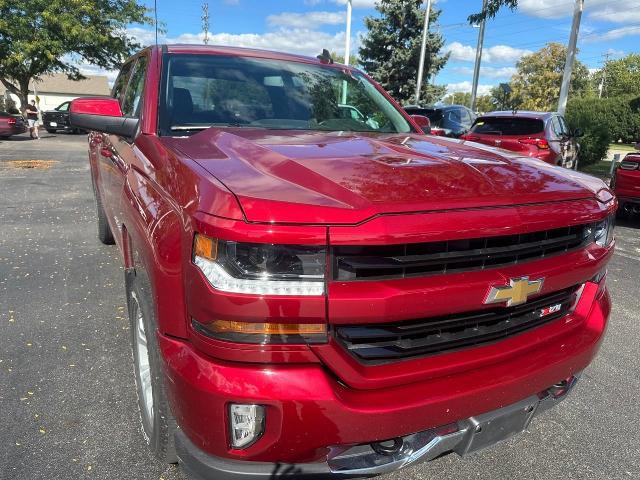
(603, 231)
(260, 269)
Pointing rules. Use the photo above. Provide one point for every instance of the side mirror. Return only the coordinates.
(423, 122)
(101, 115)
(578, 132)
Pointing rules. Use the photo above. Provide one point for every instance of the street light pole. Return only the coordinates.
(423, 51)
(347, 41)
(476, 69)
(571, 56)
(347, 49)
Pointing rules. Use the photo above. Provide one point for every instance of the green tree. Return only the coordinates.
(492, 8)
(390, 51)
(45, 36)
(539, 75)
(338, 58)
(458, 98)
(622, 76)
(503, 98)
(590, 115)
(485, 104)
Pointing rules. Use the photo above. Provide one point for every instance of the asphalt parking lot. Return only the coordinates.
(67, 401)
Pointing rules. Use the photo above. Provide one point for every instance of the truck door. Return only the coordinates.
(102, 165)
(117, 152)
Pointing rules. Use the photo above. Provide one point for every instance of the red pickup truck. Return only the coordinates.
(321, 295)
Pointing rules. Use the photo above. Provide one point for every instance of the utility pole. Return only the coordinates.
(423, 51)
(205, 22)
(476, 69)
(347, 49)
(347, 40)
(571, 56)
(603, 79)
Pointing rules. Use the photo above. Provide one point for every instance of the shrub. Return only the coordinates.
(603, 121)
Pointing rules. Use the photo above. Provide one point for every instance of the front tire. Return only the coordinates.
(49, 130)
(158, 424)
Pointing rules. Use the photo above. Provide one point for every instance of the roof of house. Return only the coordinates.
(60, 83)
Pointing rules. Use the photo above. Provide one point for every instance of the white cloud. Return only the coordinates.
(362, 3)
(614, 34)
(358, 3)
(620, 11)
(616, 53)
(142, 35)
(465, 53)
(617, 14)
(306, 20)
(462, 87)
(490, 72)
(495, 54)
(87, 69)
(547, 8)
(292, 40)
(312, 3)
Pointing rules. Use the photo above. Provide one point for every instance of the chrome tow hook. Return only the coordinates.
(388, 447)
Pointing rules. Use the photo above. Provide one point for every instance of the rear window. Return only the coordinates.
(433, 114)
(507, 126)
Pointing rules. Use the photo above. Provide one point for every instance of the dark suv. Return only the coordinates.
(58, 119)
(446, 120)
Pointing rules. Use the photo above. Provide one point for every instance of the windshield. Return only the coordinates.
(507, 126)
(200, 91)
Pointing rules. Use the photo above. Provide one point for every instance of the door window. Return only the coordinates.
(465, 118)
(559, 127)
(121, 81)
(132, 100)
(563, 126)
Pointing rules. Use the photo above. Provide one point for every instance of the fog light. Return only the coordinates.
(246, 424)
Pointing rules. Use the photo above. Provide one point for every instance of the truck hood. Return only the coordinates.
(346, 178)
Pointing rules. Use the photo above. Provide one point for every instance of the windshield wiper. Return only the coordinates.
(176, 128)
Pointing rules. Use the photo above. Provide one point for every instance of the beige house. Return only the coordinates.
(54, 89)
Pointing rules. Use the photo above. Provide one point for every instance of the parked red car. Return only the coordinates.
(319, 295)
(626, 184)
(545, 136)
(11, 125)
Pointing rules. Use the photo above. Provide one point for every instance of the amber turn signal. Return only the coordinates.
(250, 332)
(205, 247)
(222, 326)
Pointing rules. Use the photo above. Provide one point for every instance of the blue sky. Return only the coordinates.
(307, 26)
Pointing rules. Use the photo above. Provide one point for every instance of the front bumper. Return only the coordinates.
(311, 414)
(464, 437)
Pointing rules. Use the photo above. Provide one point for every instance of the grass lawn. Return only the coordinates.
(622, 146)
(600, 169)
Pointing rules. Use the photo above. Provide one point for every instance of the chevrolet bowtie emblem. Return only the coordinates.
(516, 293)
